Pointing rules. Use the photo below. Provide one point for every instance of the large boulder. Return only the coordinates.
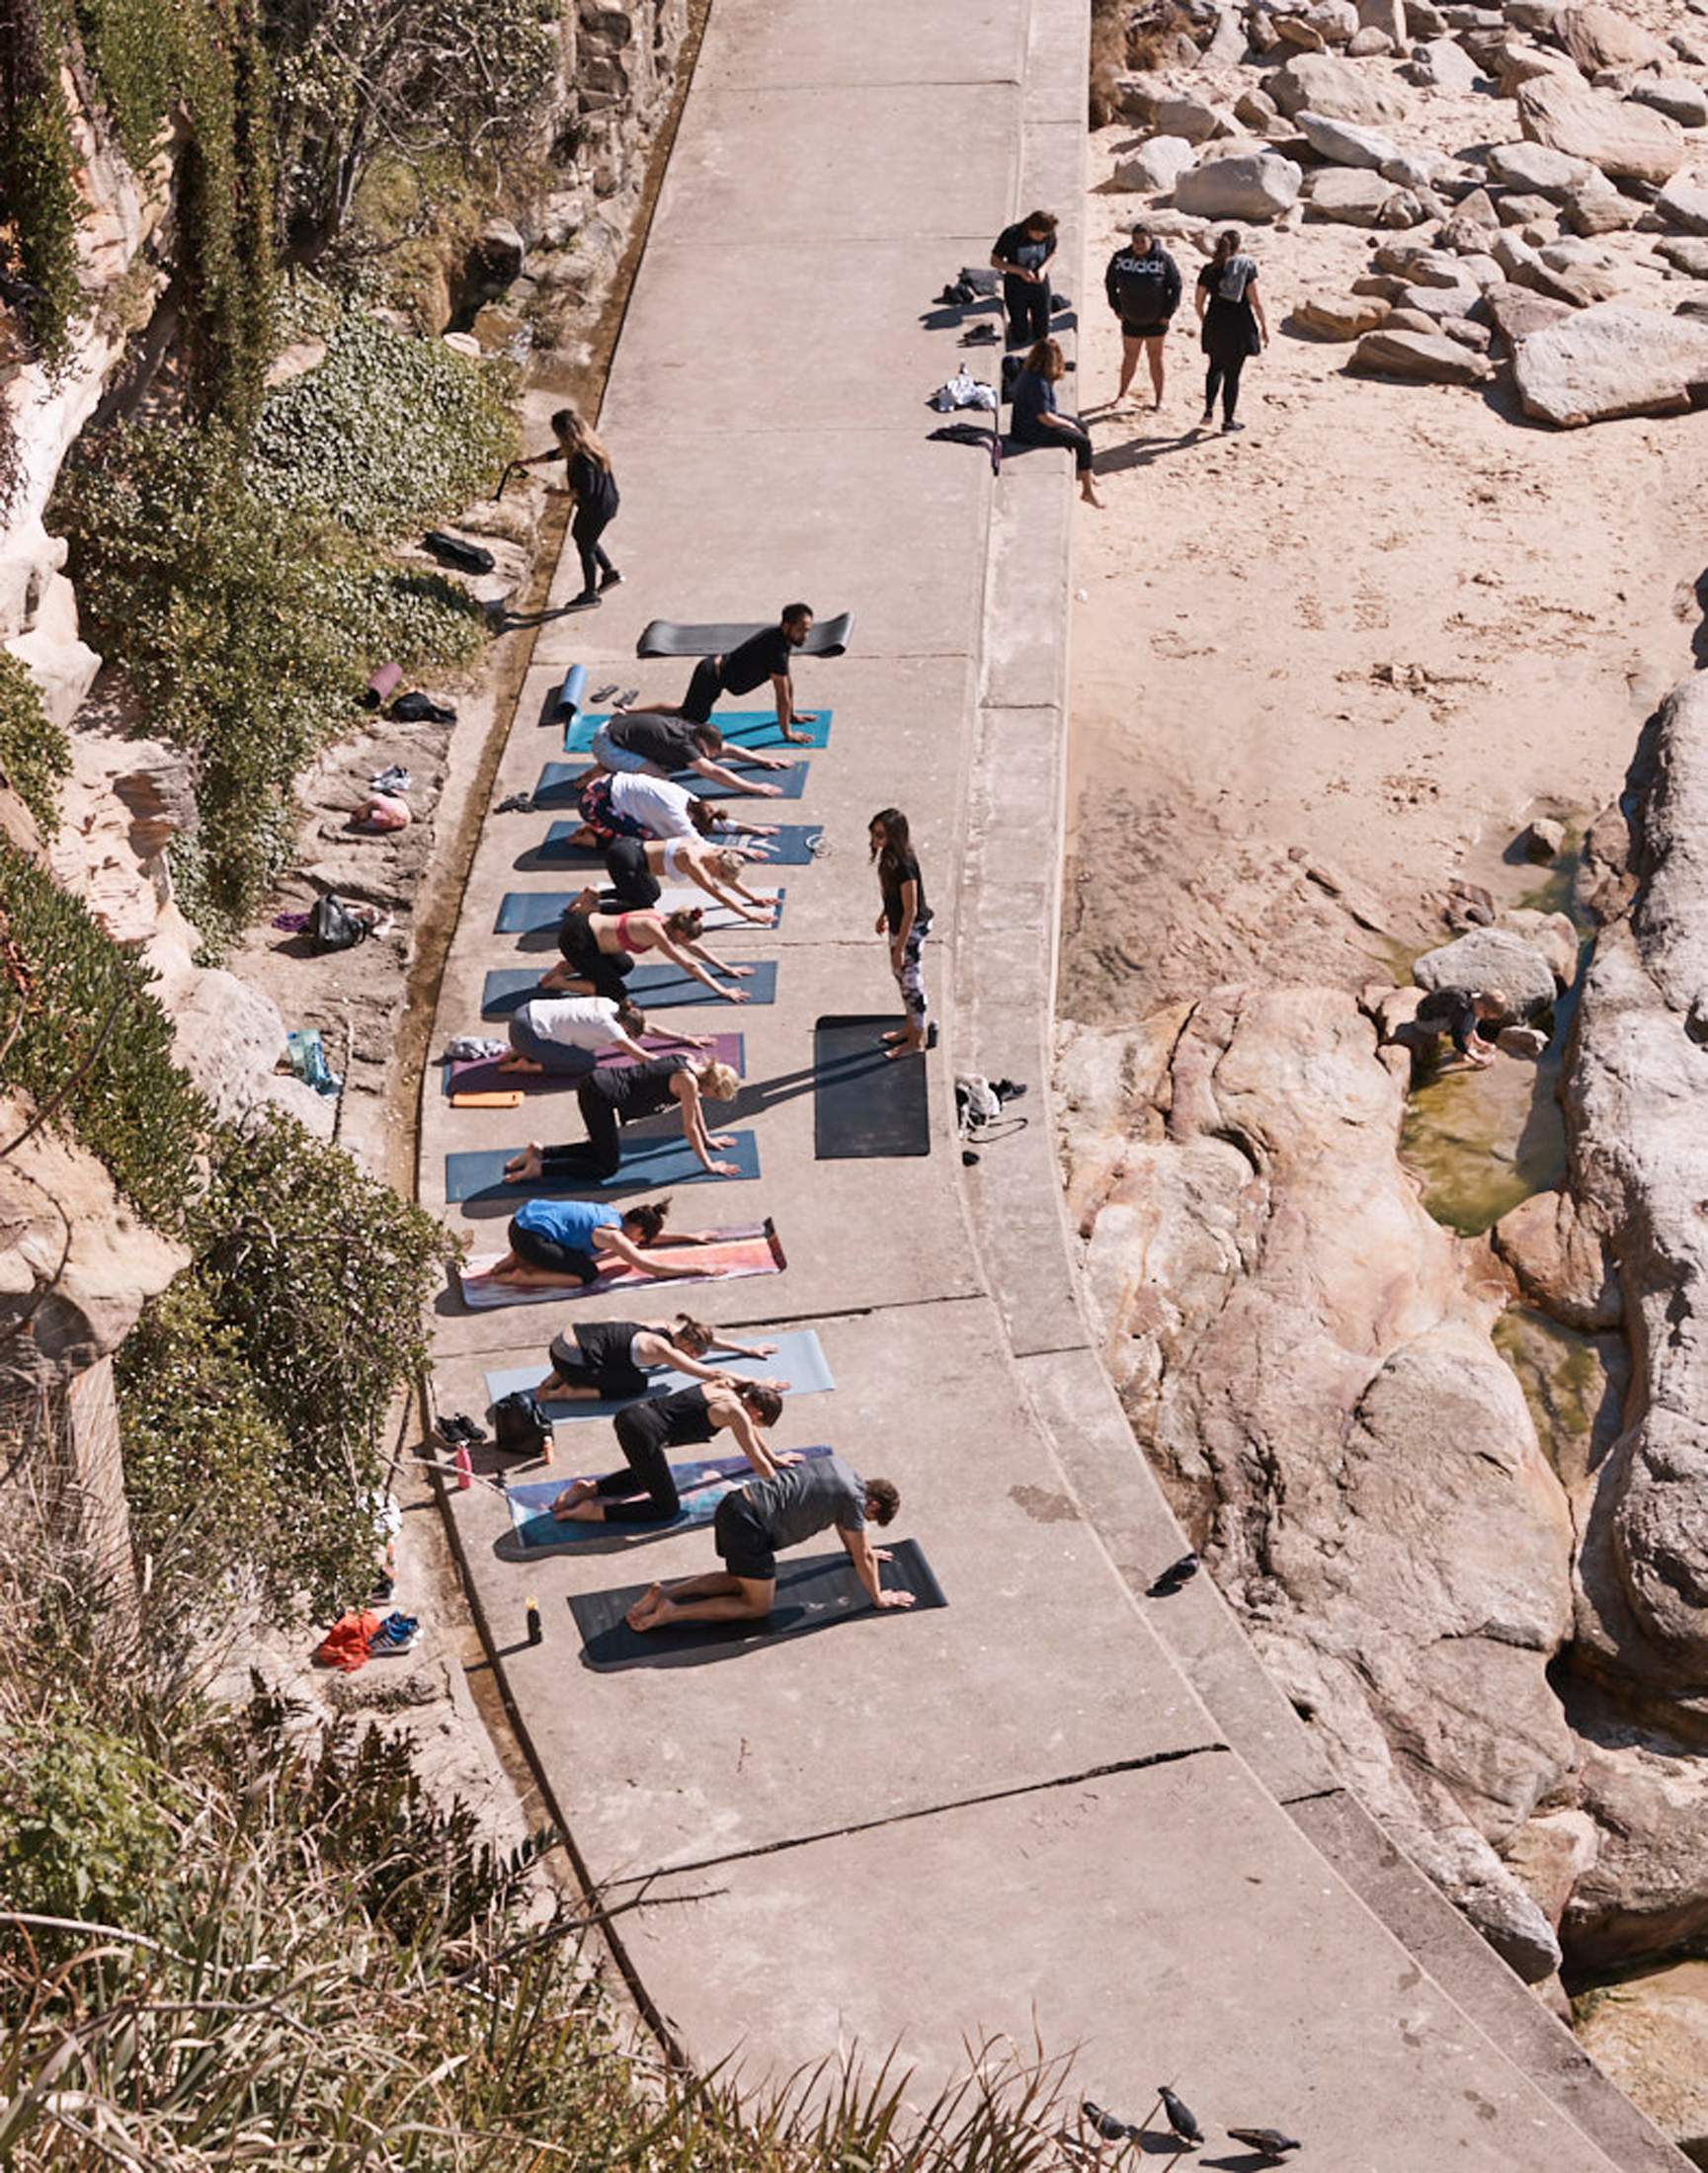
(1650, 2035)
(1423, 357)
(1491, 958)
(1259, 188)
(1627, 142)
(1194, 119)
(1677, 97)
(1298, 1351)
(1353, 196)
(1319, 83)
(1598, 36)
(1443, 64)
(1610, 361)
(1537, 169)
(1339, 316)
(1685, 203)
(1344, 143)
(1155, 166)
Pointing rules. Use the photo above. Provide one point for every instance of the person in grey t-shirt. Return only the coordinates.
(752, 1523)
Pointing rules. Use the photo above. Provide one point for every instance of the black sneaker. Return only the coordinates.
(588, 600)
(609, 580)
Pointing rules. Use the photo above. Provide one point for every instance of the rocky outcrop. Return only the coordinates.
(1300, 1355)
(1611, 360)
(1649, 2032)
(1259, 188)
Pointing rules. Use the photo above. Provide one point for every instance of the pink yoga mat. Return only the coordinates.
(481, 1075)
(755, 1250)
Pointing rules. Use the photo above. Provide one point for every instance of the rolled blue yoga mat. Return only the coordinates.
(570, 695)
(647, 1163)
(663, 988)
(739, 728)
(799, 1360)
(791, 848)
(702, 1486)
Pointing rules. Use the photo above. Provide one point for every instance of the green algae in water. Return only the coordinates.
(1554, 891)
(1482, 1142)
(1564, 1379)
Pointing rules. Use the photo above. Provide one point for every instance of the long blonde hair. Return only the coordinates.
(573, 435)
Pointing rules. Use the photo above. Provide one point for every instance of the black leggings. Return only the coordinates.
(607, 971)
(1028, 310)
(632, 880)
(599, 1156)
(1224, 377)
(546, 1253)
(645, 1491)
(615, 1383)
(1076, 438)
(587, 528)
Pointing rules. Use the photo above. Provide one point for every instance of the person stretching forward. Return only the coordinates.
(755, 1521)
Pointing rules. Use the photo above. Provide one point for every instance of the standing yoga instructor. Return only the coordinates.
(1023, 256)
(589, 482)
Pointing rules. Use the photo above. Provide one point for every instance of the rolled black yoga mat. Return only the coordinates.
(664, 638)
(863, 1105)
(813, 1592)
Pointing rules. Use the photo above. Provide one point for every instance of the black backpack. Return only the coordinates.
(519, 1426)
(332, 926)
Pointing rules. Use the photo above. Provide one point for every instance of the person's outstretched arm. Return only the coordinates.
(787, 715)
(868, 1561)
(751, 1446)
(632, 1254)
(694, 1127)
(730, 782)
(678, 956)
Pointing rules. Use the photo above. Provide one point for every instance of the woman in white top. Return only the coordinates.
(638, 866)
(566, 1034)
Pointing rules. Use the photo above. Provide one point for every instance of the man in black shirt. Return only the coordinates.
(648, 743)
(767, 655)
(1023, 256)
(1143, 286)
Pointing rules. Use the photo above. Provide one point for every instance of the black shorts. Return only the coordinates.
(547, 1255)
(1144, 331)
(743, 1540)
(703, 690)
(614, 1382)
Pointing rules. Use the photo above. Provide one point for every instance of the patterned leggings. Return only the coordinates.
(911, 979)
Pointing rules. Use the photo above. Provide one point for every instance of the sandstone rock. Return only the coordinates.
(158, 790)
(1426, 357)
(1369, 45)
(1353, 197)
(1597, 208)
(1296, 1349)
(1258, 113)
(77, 1264)
(1560, 1263)
(1537, 169)
(1137, 96)
(1336, 21)
(1226, 45)
(1611, 360)
(1321, 83)
(1155, 166)
(1446, 65)
(1419, 265)
(1476, 214)
(1466, 332)
(1440, 303)
(1543, 838)
(497, 255)
(1490, 958)
(1678, 98)
(1626, 142)
(228, 1038)
(1416, 170)
(1192, 119)
(1648, 1889)
(1521, 1041)
(1689, 256)
(1525, 212)
(1402, 319)
(1518, 311)
(1344, 141)
(1300, 35)
(1514, 63)
(1549, 1855)
(1650, 2035)
(1384, 285)
(1386, 16)
(1598, 36)
(1482, 270)
(1257, 187)
(1685, 203)
(1340, 316)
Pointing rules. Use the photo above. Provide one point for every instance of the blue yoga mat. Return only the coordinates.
(788, 849)
(647, 1163)
(557, 778)
(663, 988)
(526, 912)
(539, 1532)
(799, 1360)
(568, 698)
(739, 728)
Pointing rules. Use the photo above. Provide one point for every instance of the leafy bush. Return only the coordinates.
(37, 191)
(86, 1821)
(66, 991)
(386, 432)
(35, 753)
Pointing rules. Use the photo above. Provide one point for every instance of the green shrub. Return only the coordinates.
(35, 753)
(37, 194)
(87, 1825)
(66, 987)
(386, 432)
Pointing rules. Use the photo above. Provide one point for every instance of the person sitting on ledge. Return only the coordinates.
(757, 1521)
(556, 1243)
(1462, 1014)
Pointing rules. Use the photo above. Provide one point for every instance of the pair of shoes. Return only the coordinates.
(588, 600)
(459, 1429)
(396, 1633)
(516, 803)
(385, 1591)
(610, 579)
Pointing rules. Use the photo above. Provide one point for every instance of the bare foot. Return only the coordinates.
(661, 1615)
(572, 1498)
(907, 1046)
(521, 1169)
(514, 1063)
(648, 1600)
(894, 1033)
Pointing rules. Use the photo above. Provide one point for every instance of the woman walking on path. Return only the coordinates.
(607, 1360)
(624, 1094)
(1023, 254)
(644, 1492)
(598, 948)
(1036, 422)
(555, 1243)
(906, 919)
(591, 485)
(1232, 324)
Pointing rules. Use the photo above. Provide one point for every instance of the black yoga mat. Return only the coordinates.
(813, 1592)
(664, 638)
(862, 1104)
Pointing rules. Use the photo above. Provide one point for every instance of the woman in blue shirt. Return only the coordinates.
(558, 1242)
(1036, 422)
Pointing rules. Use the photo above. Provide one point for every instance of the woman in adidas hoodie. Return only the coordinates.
(1143, 285)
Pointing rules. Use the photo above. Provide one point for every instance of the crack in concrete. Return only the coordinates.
(1142, 1764)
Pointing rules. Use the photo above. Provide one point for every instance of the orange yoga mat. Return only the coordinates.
(753, 1251)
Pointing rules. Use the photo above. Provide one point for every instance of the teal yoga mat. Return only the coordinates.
(533, 1530)
(557, 779)
(526, 912)
(799, 1360)
(739, 728)
(791, 848)
(647, 1163)
(663, 988)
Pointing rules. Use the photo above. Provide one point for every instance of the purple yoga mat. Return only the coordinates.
(482, 1075)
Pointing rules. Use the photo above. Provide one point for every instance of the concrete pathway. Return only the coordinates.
(1052, 1806)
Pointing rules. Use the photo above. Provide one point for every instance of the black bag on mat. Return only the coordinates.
(519, 1426)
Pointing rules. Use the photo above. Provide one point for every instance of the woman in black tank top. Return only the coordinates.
(604, 1359)
(646, 1491)
(615, 1094)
